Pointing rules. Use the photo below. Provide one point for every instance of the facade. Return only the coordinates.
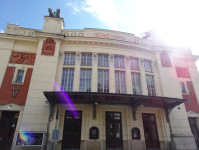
(129, 93)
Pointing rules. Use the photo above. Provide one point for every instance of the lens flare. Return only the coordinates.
(64, 98)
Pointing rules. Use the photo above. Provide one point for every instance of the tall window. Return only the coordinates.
(67, 79)
(103, 60)
(20, 75)
(120, 84)
(147, 66)
(134, 63)
(119, 61)
(69, 59)
(86, 59)
(103, 81)
(85, 80)
(135, 77)
(150, 85)
(183, 87)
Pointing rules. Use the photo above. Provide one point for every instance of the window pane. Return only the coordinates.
(136, 83)
(89, 59)
(120, 82)
(103, 81)
(100, 60)
(123, 82)
(67, 59)
(72, 60)
(150, 85)
(191, 121)
(85, 80)
(109, 116)
(117, 116)
(151, 118)
(68, 130)
(117, 82)
(83, 59)
(183, 87)
(116, 61)
(110, 131)
(147, 66)
(20, 76)
(117, 130)
(67, 79)
(106, 60)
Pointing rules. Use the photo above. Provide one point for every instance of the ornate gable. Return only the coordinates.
(48, 47)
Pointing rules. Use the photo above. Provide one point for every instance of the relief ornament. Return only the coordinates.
(48, 47)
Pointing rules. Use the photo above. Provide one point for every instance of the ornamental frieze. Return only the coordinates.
(182, 72)
(21, 57)
(48, 47)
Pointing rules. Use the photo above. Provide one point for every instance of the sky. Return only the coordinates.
(177, 21)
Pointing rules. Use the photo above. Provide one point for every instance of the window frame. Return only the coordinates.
(136, 138)
(153, 92)
(85, 80)
(145, 66)
(185, 88)
(68, 78)
(120, 82)
(103, 62)
(87, 59)
(17, 69)
(69, 58)
(103, 81)
(131, 64)
(136, 83)
(119, 62)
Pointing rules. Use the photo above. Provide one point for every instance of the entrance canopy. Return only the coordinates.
(96, 98)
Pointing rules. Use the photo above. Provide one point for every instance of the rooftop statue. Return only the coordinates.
(54, 14)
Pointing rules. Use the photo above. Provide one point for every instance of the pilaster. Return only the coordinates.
(111, 74)
(128, 77)
(143, 77)
(94, 72)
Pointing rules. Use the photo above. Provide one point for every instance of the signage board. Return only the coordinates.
(30, 138)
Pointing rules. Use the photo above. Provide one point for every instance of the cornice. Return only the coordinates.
(17, 37)
(110, 43)
(46, 35)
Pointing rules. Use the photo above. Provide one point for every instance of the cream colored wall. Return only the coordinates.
(25, 46)
(6, 47)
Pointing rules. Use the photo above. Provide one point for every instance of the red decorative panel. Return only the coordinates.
(165, 59)
(182, 72)
(193, 103)
(6, 88)
(19, 58)
(48, 47)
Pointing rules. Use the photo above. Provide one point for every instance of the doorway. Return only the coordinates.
(114, 138)
(72, 131)
(8, 125)
(150, 132)
(194, 130)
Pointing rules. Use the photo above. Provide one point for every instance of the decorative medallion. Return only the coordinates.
(111, 56)
(78, 55)
(127, 59)
(48, 47)
(165, 59)
(95, 55)
(19, 58)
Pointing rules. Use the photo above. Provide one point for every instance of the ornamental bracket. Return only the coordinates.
(134, 108)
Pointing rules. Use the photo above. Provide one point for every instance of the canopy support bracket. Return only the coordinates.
(134, 108)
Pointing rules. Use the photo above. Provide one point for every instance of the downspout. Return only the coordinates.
(170, 129)
(50, 111)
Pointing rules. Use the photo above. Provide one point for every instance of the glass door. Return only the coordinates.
(72, 131)
(194, 130)
(114, 139)
(150, 132)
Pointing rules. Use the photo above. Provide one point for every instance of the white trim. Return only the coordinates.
(16, 73)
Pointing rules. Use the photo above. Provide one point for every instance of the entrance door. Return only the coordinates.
(114, 139)
(194, 130)
(150, 132)
(72, 131)
(8, 125)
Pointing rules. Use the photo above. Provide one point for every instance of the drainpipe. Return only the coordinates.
(172, 144)
(50, 111)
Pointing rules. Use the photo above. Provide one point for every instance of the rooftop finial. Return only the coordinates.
(54, 14)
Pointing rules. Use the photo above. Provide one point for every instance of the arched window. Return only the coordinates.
(94, 133)
(136, 133)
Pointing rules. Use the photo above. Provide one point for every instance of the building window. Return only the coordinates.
(67, 79)
(69, 59)
(20, 76)
(183, 88)
(136, 133)
(103, 60)
(150, 85)
(135, 77)
(86, 59)
(147, 66)
(119, 61)
(120, 84)
(134, 63)
(94, 133)
(103, 81)
(85, 80)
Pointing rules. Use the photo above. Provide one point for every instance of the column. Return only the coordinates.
(111, 74)
(128, 77)
(77, 72)
(94, 72)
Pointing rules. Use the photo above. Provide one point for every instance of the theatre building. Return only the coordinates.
(115, 91)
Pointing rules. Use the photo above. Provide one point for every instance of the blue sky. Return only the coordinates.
(176, 20)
